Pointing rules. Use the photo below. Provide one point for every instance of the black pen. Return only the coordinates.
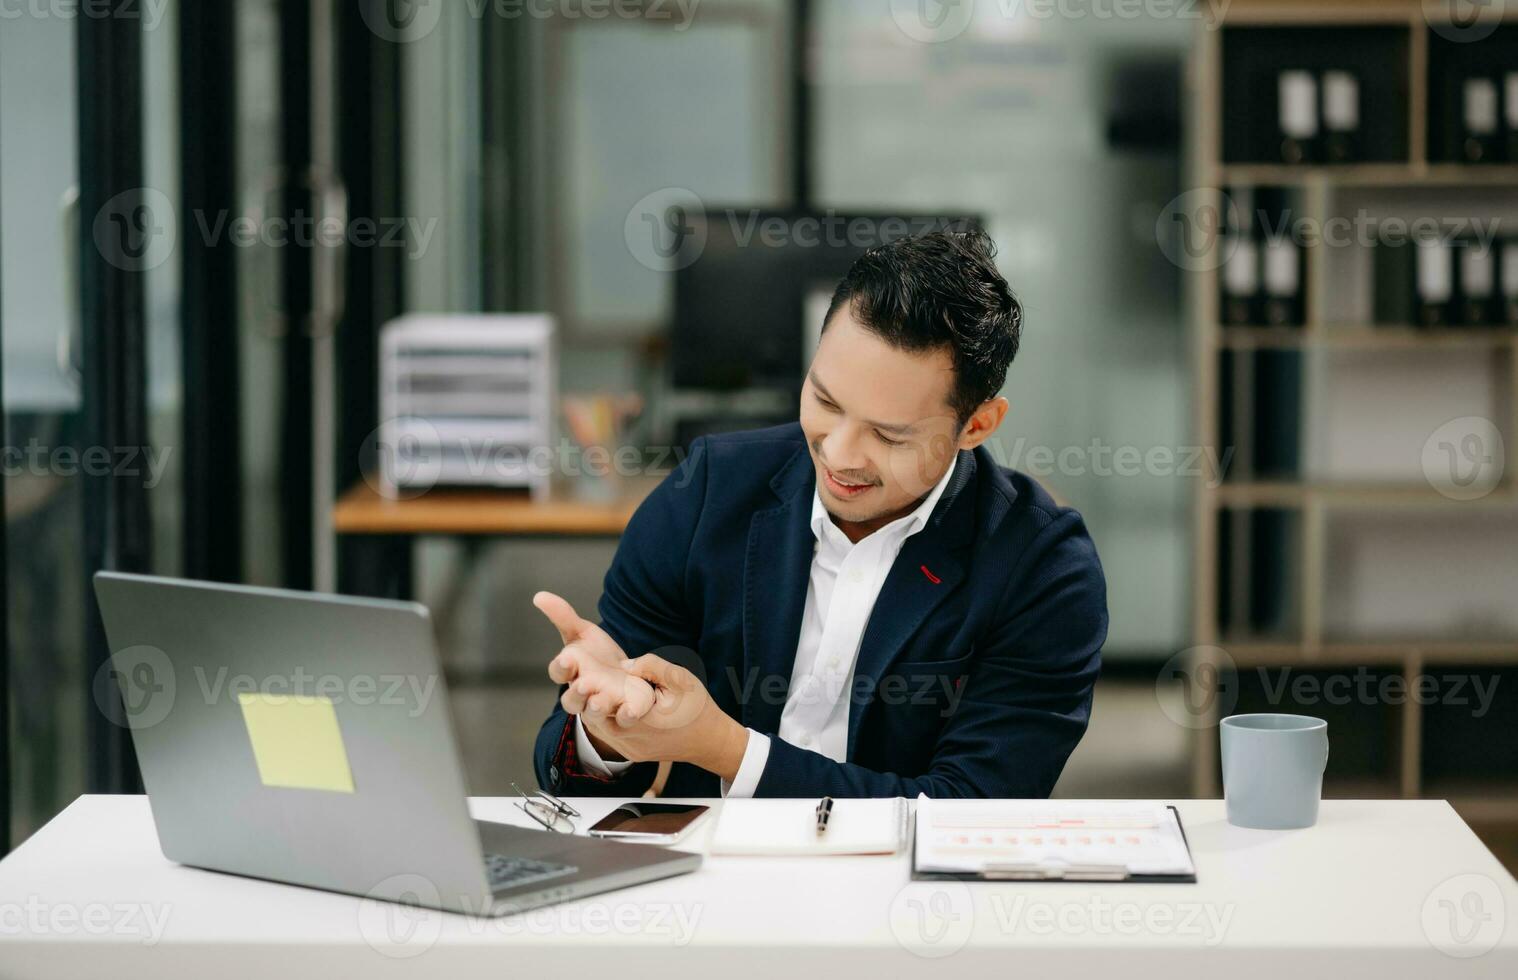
(824, 810)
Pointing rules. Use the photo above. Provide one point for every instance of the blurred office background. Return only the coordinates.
(1259, 493)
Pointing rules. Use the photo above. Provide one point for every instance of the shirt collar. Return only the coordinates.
(908, 525)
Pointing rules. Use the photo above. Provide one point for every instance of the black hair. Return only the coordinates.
(935, 290)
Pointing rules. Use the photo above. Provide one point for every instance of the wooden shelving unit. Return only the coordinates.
(1489, 801)
(1370, 175)
(1366, 337)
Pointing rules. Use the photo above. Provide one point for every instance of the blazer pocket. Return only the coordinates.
(933, 666)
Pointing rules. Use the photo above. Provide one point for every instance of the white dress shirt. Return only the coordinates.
(846, 579)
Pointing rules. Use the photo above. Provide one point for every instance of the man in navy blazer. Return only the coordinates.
(859, 604)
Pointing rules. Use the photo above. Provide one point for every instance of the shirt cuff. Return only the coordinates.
(751, 768)
(591, 760)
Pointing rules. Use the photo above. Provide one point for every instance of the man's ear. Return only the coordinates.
(983, 423)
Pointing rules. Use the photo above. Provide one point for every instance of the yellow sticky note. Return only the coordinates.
(296, 741)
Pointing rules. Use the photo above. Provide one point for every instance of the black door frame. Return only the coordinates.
(212, 412)
(7, 799)
(112, 286)
(370, 159)
(297, 203)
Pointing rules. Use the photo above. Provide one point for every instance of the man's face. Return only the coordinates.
(877, 420)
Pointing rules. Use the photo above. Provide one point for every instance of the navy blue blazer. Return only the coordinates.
(976, 668)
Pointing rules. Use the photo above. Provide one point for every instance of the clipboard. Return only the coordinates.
(1095, 873)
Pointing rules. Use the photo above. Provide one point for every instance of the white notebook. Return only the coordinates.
(770, 826)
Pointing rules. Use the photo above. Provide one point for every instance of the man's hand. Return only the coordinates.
(684, 725)
(640, 710)
(600, 694)
(589, 664)
(578, 635)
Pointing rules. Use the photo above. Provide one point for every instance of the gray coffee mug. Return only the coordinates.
(1273, 769)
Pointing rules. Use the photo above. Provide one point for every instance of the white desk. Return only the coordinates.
(1372, 891)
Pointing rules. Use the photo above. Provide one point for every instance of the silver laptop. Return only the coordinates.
(306, 739)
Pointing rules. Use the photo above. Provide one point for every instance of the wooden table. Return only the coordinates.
(375, 533)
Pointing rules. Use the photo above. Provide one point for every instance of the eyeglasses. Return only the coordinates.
(548, 810)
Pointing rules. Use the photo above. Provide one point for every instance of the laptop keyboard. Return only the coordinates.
(513, 872)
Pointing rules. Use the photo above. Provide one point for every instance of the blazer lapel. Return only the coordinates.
(777, 572)
(930, 566)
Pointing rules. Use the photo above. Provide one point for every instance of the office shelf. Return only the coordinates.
(1391, 175)
(1366, 337)
(1252, 390)
(1410, 654)
(1289, 495)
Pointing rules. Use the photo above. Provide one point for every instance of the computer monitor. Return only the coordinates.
(747, 277)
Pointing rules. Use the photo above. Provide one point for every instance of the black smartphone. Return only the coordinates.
(649, 823)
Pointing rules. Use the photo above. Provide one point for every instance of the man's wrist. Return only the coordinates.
(725, 754)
